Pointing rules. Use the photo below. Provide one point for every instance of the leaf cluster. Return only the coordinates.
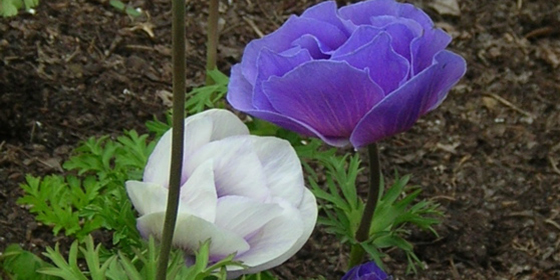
(9, 8)
(396, 208)
(95, 198)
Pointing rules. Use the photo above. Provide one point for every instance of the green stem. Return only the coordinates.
(362, 234)
(179, 87)
(212, 39)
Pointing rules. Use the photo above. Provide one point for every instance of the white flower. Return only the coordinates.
(245, 193)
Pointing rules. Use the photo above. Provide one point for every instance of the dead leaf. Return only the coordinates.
(446, 7)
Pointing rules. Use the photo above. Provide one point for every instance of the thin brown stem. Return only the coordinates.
(212, 39)
(179, 87)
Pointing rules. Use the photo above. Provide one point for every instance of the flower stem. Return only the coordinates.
(362, 234)
(179, 87)
(212, 39)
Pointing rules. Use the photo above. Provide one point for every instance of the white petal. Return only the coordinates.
(211, 125)
(159, 162)
(147, 197)
(198, 194)
(269, 250)
(200, 129)
(282, 168)
(243, 215)
(191, 231)
(237, 169)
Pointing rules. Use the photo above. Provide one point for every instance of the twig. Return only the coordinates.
(511, 105)
(254, 26)
(553, 165)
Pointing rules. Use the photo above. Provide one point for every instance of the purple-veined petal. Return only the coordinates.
(191, 231)
(200, 129)
(146, 197)
(274, 239)
(237, 169)
(198, 194)
(243, 215)
(386, 68)
(240, 97)
(400, 110)
(281, 40)
(424, 48)
(301, 221)
(274, 64)
(330, 96)
(282, 168)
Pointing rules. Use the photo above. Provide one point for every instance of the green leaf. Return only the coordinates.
(22, 264)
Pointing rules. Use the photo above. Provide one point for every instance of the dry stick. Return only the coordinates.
(362, 234)
(212, 38)
(179, 87)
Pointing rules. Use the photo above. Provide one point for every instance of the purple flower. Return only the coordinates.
(245, 193)
(367, 271)
(355, 75)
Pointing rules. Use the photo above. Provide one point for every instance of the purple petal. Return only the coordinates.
(281, 40)
(361, 13)
(310, 43)
(425, 47)
(328, 12)
(240, 91)
(401, 38)
(240, 97)
(273, 64)
(329, 96)
(297, 126)
(362, 36)
(386, 68)
(400, 110)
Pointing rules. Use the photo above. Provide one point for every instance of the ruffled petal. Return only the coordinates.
(244, 216)
(386, 68)
(362, 13)
(282, 167)
(237, 169)
(424, 48)
(198, 194)
(328, 12)
(282, 39)
(146, 197)
(239, 97)
(329, 96)
(191, 231)
(240, 91)
(400, 110)
(274, 64)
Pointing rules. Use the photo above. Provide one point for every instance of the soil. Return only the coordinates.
(490, 155)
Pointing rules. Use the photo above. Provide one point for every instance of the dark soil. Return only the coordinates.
(490, 155)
